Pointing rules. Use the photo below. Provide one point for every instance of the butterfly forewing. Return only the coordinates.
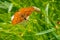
(17, 18)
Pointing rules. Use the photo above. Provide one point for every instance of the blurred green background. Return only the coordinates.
(40, 26)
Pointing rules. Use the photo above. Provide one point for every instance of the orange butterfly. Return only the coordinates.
(23, 14)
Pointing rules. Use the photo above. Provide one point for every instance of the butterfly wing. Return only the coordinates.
(22, 14)
(17, 18)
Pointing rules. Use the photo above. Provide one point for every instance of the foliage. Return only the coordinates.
(40, 26)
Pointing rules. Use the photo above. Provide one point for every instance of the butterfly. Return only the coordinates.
(23, 14)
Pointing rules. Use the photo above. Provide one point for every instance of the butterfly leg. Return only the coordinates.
(27, 18)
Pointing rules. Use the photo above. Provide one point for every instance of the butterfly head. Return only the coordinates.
(36, 8)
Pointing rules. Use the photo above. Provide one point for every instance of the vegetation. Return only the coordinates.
(44, 25)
